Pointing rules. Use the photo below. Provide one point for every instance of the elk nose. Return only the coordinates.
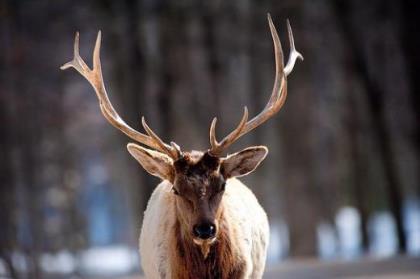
(204, 230)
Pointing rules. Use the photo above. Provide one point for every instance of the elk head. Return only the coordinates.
(198, 178)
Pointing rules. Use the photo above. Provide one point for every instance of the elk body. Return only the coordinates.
(201, 221)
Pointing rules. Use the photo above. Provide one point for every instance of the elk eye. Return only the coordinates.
(175, 191)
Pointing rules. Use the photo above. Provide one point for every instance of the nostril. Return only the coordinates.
(197, 231)
(204, 231)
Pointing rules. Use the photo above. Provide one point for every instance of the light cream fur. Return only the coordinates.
(245, 216)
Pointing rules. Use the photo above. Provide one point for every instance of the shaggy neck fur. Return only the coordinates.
(222, 261)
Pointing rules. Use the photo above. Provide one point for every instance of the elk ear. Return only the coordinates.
(154, 162)
(243, 162)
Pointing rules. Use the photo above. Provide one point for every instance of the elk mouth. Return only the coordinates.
(204, 245)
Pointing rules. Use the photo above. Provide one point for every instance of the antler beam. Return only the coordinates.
(277, 98)
(94, 76)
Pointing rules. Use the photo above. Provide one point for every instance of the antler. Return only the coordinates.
(276, 101)
(95, 78)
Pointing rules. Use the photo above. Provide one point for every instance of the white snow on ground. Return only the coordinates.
(108, 260)
(20, 262)
(327, 241)
(3, 270)
(62, 262)
(347, 221)
(345, 241)
(412, 226)
(279, 242)
(113, 260)
(382, 233)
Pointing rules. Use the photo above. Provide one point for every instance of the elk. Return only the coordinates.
(201, 221)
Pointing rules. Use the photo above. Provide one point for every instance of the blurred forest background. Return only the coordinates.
(342, 177)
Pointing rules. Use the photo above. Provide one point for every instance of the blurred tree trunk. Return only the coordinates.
(360, 184)
(137, 99)
(375, 97)
(24, 141)
(8, 239)
(411, 44)
(28, 138)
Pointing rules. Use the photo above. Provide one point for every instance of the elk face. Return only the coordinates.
(199, 188)
(199, 181)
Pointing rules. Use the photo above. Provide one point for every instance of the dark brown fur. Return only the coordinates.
(222, 262)
(197, 164)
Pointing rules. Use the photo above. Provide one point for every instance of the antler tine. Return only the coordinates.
(294, 54)
(216, 147)
(173, 149)
(95, 78)
(277, 98)
(77, 61)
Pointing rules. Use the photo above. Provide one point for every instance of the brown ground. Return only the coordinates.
(399, 267)
(393, 268)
